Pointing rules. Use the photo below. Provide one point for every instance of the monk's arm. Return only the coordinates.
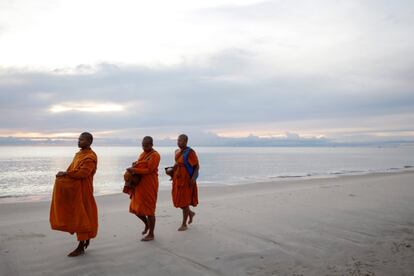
(85, 170)
(193, 160)
(195, 174)
(152, 166)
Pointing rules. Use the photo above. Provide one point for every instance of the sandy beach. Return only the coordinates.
(351, 225)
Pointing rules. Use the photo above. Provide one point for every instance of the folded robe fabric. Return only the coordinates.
(144, 195)
(73, 208)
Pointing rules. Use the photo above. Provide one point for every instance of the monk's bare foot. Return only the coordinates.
(145, 230)
(76, 252)
(182, 228)
(190, 216)
(86, 244)
(148, 238)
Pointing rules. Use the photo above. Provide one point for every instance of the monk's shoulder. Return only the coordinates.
(156, 154)
(94, 155)
(192, 158)
(193, 152)
(90, 154)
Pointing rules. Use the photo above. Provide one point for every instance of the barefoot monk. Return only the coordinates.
(73, 208)
(184, 187)
(144, 194)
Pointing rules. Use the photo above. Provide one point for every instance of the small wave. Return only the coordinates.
(13, 196)
(23, 198)
(291, 176)
(7, 196)
(336, 173)
(347, 172)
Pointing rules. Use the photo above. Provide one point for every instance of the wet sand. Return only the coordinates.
(350, 225)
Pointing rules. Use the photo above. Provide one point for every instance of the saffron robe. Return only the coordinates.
(183, 193)
(144, 195)
(73, 208)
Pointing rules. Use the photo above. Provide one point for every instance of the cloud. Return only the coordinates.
(87, 107)
(212, 96)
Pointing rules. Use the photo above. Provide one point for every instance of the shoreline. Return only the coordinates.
(278, 179)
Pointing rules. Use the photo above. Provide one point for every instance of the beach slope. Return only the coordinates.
(351, 225)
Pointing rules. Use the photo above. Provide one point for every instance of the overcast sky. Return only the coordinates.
(342, 70)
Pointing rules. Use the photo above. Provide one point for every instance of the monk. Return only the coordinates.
(73, 208)
(144, 194)
(184, 186)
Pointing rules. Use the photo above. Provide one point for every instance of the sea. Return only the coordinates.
(27, 173)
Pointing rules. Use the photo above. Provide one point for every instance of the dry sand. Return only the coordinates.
(352, 225)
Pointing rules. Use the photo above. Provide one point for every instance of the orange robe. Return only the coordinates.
(184, 194)
(73, 208)
(144, 196)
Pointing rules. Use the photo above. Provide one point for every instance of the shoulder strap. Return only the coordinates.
(149, 155)
(187, 165)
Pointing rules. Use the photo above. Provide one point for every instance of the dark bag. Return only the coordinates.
(131, 181)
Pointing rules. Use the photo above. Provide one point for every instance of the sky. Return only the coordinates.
(294, 69)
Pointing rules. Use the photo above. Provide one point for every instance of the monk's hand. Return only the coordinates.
(130, 170)
(60, 174)
(192, 181)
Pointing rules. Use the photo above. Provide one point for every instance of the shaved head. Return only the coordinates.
(85, 140)
(183, 136)
(182, 141)
(148, 139)
(147, 143)
(88, 136)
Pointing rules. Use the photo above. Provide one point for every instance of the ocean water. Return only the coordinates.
(28, 173)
